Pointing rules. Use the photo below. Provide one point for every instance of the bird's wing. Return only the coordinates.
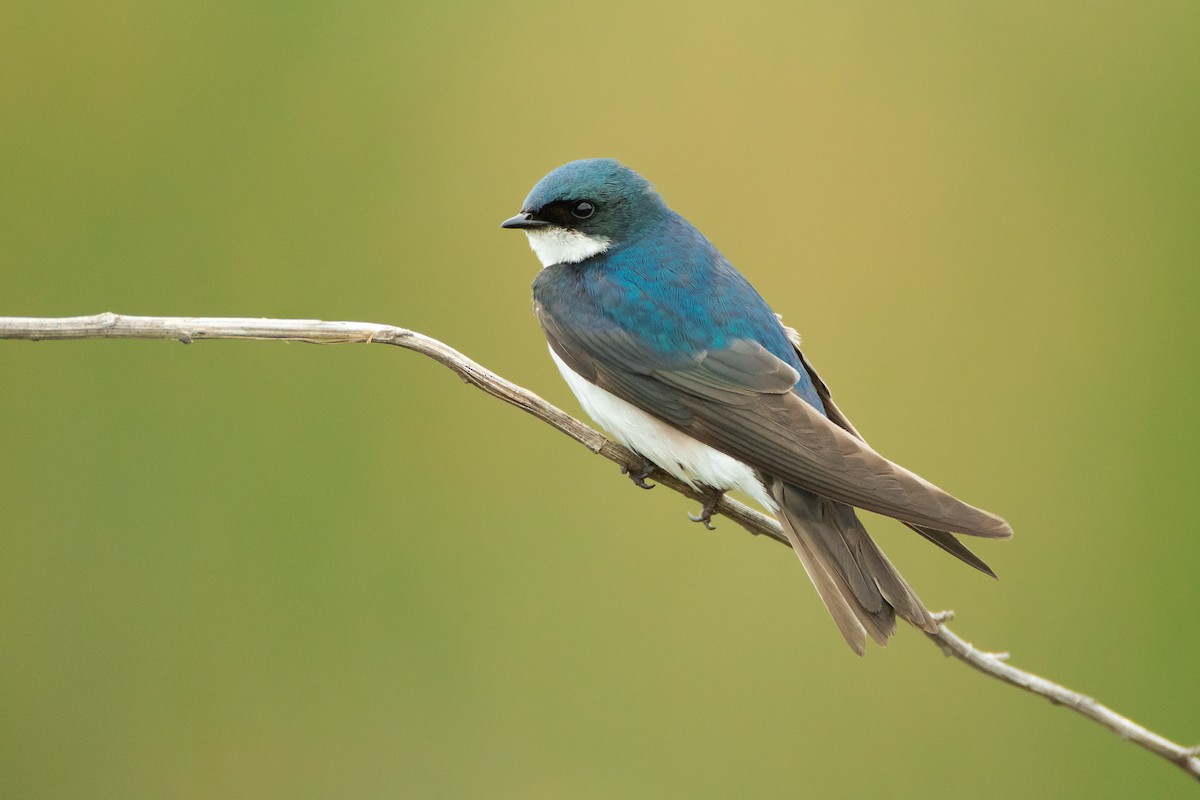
(739, 400)
(943, 539)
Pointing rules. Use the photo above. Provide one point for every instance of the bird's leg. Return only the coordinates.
(709, 508)
(639, 474)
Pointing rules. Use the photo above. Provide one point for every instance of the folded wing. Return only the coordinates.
(739, 399)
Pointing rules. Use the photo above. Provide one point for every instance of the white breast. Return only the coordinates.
(686, 458)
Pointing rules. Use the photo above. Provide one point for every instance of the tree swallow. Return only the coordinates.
(676, 355)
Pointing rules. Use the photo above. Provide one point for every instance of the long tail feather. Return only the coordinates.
(855, 580)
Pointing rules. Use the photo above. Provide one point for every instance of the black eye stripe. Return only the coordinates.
(564, 213)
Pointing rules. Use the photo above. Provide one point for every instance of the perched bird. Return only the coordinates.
(676, 355)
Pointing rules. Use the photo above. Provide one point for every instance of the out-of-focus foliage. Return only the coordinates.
(265, 570)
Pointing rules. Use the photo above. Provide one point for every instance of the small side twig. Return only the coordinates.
(190, 329)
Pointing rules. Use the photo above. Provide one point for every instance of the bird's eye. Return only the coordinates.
(583, 209)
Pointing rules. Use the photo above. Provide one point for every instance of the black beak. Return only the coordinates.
(524, 220)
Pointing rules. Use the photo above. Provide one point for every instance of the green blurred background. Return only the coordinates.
(252, 569)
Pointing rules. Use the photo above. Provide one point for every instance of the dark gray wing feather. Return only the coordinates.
(943, 539)
(946, 541)
(739, 400)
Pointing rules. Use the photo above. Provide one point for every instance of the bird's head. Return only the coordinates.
(584, 208)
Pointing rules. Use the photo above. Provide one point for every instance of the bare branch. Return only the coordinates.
(190, 329)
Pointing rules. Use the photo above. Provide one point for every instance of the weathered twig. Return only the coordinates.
(189, 329)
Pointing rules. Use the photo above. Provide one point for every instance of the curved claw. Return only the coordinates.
(707, 510)
(639, 476)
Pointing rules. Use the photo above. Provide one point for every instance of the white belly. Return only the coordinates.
(686, 458)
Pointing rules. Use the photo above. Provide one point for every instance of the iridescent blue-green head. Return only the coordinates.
(585, 207)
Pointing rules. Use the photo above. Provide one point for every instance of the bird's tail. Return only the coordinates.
(857, 583)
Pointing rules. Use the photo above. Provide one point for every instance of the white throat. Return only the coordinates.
(555, 245)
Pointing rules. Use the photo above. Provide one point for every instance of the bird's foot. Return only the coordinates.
(707, 511)
(639, 474)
